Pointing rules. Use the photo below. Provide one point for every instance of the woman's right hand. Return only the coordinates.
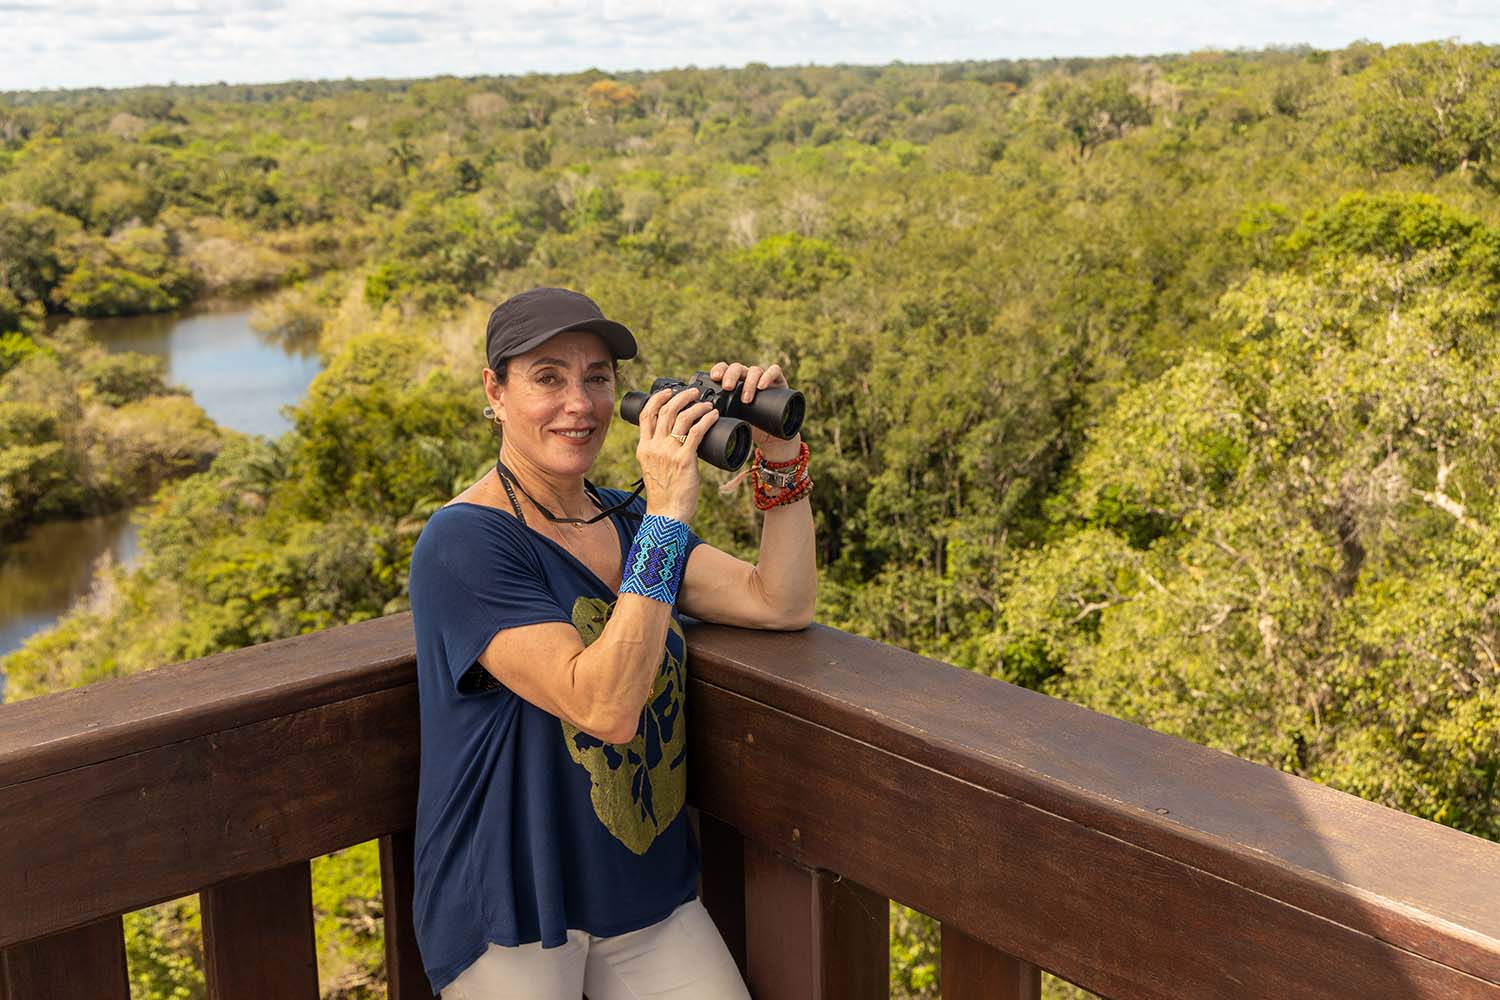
(669, 466)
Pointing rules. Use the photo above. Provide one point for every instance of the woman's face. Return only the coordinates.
(556, 402)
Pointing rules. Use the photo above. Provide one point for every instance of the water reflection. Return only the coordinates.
(241, 378)
(42, 575)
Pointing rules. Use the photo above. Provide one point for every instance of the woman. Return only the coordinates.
(553, 852)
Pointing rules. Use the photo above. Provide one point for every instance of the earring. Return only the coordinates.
(489, 414)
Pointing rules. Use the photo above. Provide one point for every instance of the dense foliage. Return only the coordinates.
(83, 431)
(1164, 387)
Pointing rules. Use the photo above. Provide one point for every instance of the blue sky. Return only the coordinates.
(51, 44)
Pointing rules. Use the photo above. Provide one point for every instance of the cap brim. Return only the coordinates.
(617, 337)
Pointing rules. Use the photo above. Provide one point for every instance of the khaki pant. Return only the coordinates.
(679, 958)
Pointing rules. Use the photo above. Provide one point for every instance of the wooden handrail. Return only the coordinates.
(832, 773)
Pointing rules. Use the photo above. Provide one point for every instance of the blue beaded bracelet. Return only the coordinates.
(657, 558)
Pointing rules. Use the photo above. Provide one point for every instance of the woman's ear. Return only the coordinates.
(494, 392)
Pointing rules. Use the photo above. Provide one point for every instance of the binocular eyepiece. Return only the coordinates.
(778, 412)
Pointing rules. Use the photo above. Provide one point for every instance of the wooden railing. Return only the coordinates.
(831, 773)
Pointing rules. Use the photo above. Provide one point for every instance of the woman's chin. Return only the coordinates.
(573, 459)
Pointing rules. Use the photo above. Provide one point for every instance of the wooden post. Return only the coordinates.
(88, 961)
(723, 885)
(810, 935)
(405, 977)
(972, 970)
(258, 936)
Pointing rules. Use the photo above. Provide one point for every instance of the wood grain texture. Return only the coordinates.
(722, 884)
(810, 935)
(972, 970)
(126, 715)
(405, 977)
(258, 936)
(1419, 886)
(87, 963)
(1114, 917)
(131, 831)
(1130, 862)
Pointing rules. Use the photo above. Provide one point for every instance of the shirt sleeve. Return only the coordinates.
(471, 578)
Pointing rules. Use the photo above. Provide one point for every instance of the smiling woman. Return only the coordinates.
(551, 836)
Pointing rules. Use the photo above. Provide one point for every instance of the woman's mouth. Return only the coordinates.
(576, 435)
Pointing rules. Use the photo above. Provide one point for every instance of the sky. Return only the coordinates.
(49, 44)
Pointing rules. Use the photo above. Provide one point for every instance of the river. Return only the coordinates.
(241, 378)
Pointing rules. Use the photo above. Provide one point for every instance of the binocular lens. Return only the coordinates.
(775, 411)
(727, 444)
(791, 418)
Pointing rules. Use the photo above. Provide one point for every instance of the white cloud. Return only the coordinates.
(49, 43)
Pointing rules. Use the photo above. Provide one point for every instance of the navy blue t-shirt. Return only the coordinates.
(526, 826)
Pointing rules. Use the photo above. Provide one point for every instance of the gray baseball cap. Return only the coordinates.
(530, 318)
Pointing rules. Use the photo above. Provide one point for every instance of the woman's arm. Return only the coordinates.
(601, 688)
(780, 590)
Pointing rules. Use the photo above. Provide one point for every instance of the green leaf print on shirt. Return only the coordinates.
(639, 787)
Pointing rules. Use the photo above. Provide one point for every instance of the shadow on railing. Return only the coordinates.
(831, 773)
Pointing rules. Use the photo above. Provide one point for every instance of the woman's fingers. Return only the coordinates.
(690, 416)
(732, 374)
(666, 417)
(651, 410)
(698, 430)
(752, 382)
(750, 379)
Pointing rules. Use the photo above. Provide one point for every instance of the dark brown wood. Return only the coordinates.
(1130, 862)
(1118, 919)
(811, 935)
(205, 810)
(86, 962)
(1419, 886)
(722, 887)
(258, 936)
(972, 970)
(126, 715)
(403, 961)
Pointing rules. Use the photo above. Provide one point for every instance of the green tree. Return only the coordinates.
(1435, 104)
(1095, 112)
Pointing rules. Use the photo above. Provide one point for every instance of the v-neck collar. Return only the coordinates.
(614, 520)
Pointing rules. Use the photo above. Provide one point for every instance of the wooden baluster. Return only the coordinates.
(972, 970)
(810, 935)
(723, 885)
(88, 961)
(403, 962)
(258, 936)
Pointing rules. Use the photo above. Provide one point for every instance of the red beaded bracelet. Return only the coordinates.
(803, 482)
(799, 460)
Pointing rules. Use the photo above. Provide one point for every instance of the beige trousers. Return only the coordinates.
(679, 958)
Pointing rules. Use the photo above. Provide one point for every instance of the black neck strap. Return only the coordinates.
(507, 478)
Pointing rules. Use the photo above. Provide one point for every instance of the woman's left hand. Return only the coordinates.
(750, 379)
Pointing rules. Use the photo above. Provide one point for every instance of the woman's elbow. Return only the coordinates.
(793, 620)
(616, 731)
(608, 723)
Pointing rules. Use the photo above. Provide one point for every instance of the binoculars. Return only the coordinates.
(778, 412)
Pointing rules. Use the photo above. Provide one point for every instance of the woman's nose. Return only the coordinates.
(577, 398)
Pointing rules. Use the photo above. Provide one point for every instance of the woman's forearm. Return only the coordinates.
(612, 678)
(786, 572)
